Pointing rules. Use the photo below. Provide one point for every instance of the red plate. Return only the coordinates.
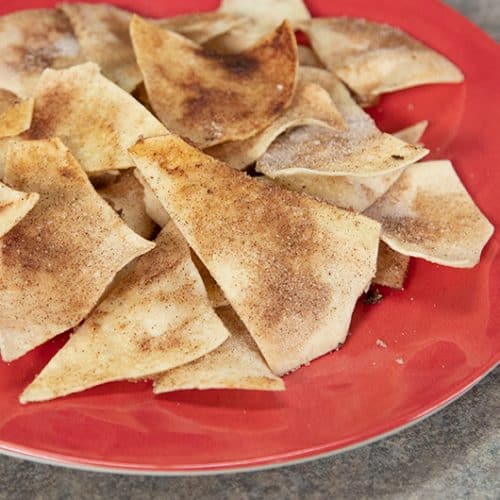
(445, 325)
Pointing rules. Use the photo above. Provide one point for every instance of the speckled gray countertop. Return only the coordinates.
(454, 454)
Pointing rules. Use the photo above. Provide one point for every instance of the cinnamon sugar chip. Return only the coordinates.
(373, 58)
(156, 318)
(211, 98)
(236, 364)
(58, 260)
(30, 42)
(291, 267)
(14, 205)
(428, 213)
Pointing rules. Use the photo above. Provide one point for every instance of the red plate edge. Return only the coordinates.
(463, 122)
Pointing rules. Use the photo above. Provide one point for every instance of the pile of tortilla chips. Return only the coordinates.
(200, 202)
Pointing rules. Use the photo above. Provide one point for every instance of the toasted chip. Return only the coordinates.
(202, 26)
(31, 41)
(236, 364)
(103, 33)
(153, 206)
(361, 150)
(268, 13)
(58, 260)
(373, 58)
(214, 292)
(7, 100)
(126, 197)
(291, 267)
(210, 98)
(392, 267)
(96, 119)
(156, 318)
(14, 205)
(350, 192)
(16, 119)
(307, 57)
(311, 105)
(428, 213)
(414, 133)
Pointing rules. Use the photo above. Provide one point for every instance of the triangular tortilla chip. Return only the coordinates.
(126, 197)
(238, 39)
(16, 119)
(428, 213)
(202, 26)
(14, 205)
(236, 364)
(210, 98)
(311, 105)
(361, 150)
(7, 100)
(291, 267)
(350, 192)
(96, 119)
(307, 57)
(156, 318)
(214, 292)
(103, 33)
(31, 41)
(414, 133)
(153, 206)
(373, 58)
(56, 263)
(392, 267)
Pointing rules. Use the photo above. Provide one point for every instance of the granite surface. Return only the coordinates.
(451, 455)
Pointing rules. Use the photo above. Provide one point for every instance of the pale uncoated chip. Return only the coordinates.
(58, 260)
(392, 267)
(96, 119)
(307, 57)
(373, 58)
(414, 133)
(152, 205)
(236, 364)
(361, 150)
(14, 205)
(202, 26)
(126, 197)
(31, 41)
(311, 105)
(103, 33)
(16, 119)
(428, 213)
(156, 318)
(291, 267)
(211, 98)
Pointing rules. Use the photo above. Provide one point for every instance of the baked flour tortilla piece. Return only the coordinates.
(210, 98)
(373, 58)
(214, 292)
(153, 207)
(291, 267)
(361, 150)
(236, 364)
(126, 197)
(14, 205)
(96, 119)
(307, 57)
(414, 133)
(311, 105)
(103, 33)
(202, 26)
(7, 100)
(31, 41)
(16, 119)
(392, 267)
(156, 318)
(428, 213)
(58, 260)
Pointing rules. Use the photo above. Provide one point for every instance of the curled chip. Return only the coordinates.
(428, 213)
(210, 98)
(373, 58)
(236, 364)
(291, 267)
(30, 42)
(58, 260)
(155, 318)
